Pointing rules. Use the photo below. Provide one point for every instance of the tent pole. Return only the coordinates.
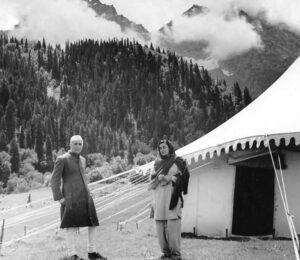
(289, 220)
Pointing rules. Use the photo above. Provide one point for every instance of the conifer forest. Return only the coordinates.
(119, 95)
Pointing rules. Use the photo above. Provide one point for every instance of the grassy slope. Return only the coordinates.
(137, 244)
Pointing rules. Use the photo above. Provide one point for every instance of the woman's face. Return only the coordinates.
(164, 149)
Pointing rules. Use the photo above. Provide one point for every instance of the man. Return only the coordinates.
(77, 205)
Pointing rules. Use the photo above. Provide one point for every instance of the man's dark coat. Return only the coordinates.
(69, 182)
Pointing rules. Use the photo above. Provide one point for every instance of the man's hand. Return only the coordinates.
(62, 201)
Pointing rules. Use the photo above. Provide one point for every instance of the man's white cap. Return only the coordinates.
(76, 138)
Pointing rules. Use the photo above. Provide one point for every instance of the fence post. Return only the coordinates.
(2, 234)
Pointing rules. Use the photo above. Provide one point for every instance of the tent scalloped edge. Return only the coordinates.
(254, 140)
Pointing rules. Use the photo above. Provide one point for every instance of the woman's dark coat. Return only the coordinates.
(68, 181)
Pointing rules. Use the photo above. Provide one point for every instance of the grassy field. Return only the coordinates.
(129, 243)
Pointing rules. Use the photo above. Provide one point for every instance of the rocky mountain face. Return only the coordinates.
(109, 13)
(256, 69)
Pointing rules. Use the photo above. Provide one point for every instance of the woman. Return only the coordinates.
(169, 180)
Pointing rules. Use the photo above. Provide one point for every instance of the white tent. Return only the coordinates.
(211, 205)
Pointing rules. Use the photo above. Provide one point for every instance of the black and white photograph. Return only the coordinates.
(149, 129)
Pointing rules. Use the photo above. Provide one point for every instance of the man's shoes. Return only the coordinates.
(96, 256)
(73, 257)
(177, 258)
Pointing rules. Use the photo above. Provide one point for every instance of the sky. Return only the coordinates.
(225, 32)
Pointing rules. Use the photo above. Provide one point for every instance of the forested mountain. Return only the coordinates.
(119, 95)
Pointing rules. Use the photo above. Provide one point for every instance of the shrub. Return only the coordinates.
(35, 185)
(118, 165)
(142, 159)
(34, 176)
(142, 147)
(22, 186)
(95, 159)
(12, 183)
(104, 171)
(17, 185)
(28, 156)
(95, 175)
(26, 168)
(47, 179)
(2, 189)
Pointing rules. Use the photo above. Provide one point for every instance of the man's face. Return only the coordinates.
(164, 149)
(76, 146)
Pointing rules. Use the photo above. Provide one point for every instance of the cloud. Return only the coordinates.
(57, 21)
(62, 20)
(275, 11)
(224, 37)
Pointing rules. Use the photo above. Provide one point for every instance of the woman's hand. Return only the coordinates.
(62, 201)
(174, 178)
(161, 178)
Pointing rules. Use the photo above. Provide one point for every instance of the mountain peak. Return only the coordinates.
(110, 13)
(107, 10)
(196, 10)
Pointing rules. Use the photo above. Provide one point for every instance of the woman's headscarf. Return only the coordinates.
(162, 166)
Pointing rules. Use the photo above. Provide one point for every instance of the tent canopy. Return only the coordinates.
(275, 113)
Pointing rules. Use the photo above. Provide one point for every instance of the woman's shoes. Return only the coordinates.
(165, 257)
(96, 256)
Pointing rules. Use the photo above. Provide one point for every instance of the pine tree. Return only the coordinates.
(28, 136)
(237, 96)
(130, 153)
(1, 115)
(15, 157)
(40, 59)
(3, 123)
(22, 138)
(3, 142)
(10, 119)
(49, 157)
(55, 67)
(108, 149)
(44, 45)
(62, 132)
(247, 97)
(27, 113)
(39, 142)
(26, 45)
(5, 167)
(4, 94)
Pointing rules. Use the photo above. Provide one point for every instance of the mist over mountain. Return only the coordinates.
(256, 67)
(259, 68)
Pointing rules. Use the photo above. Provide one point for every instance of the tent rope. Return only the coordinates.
(287, 206)
(285, 203)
